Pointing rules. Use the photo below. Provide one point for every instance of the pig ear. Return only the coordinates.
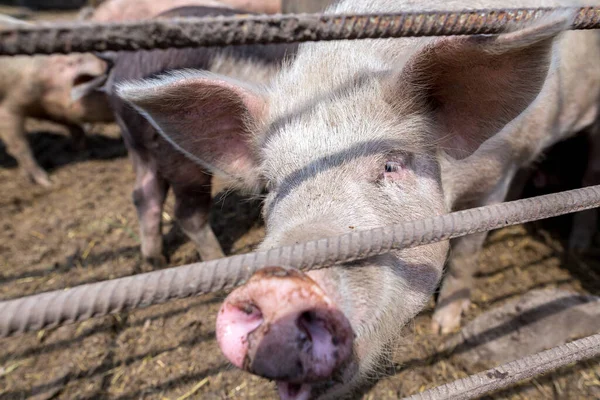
(476, 85)
(208, 117)
(90, 74)
(85, 84)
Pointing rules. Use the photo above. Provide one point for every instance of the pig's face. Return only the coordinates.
(374, 163)
(347, 138)
(354, 170)
(61, 75)
(341, 165)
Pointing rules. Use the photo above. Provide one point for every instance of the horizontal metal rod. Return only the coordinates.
(240, 30)
(504, 376)
(97, 299)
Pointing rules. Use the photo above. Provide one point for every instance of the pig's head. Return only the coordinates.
(71, 82)
(344, 140)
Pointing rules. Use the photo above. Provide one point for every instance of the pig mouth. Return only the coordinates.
(293, 391)
(328, 389)
(282, 326)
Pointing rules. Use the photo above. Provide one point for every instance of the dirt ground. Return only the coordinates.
(84, 230)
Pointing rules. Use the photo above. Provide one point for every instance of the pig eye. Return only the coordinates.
(392, 166)
(394, 170)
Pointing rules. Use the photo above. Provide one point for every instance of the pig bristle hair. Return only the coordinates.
(137, 90)
(252, 70)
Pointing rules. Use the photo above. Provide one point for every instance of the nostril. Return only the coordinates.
(304, 322)
(308, 316)
(246, 314)
(249, 309)
(314, 327)
(293, 389)
(235, 322)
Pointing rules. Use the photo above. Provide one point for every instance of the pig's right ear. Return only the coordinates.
(473, 86)
(208, 117)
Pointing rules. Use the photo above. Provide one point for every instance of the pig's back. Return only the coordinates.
(18, 78)
(127, 10)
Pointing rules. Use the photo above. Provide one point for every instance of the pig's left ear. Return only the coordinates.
(209, 118)
(89, 75)
(476, 85)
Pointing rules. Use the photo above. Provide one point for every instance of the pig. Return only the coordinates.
(128, 10)
(40, 87)
(360, 134)
(157, 164)
(305, 6)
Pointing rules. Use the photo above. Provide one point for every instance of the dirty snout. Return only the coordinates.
(281, 325)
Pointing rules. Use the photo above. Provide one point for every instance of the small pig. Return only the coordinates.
(305, 6)
(361, 134)
(127, 10)
(40, 87)
(157, 164)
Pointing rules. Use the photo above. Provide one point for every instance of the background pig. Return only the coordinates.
(40, 87)
(354, 135)
(305, 6)
(123, 10)
(158, 165)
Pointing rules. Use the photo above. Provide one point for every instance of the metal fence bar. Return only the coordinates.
(97, 299)
(225, 31)
(505, 375)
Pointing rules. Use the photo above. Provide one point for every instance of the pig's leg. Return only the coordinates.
(77, 136)
(149, 197)
(455, 294)
(12, 128)
(585, 222)
(192, 205)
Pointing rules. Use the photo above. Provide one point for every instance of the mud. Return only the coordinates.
(84, 229)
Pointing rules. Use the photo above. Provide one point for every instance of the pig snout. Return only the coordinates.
(281, 325)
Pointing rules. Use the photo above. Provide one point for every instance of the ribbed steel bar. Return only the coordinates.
(97, 299)
(474, 386)
(225, 31)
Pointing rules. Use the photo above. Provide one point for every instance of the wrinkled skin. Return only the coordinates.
(354, 135)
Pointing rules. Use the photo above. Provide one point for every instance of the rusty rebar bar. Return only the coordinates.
(96, 299)
(504, 376)
(225, 31)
